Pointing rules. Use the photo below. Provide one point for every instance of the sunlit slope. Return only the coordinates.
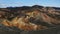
(30, 18)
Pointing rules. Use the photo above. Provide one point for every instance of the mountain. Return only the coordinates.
(30, 17)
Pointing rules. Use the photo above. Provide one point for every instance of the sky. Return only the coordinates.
(18, 3)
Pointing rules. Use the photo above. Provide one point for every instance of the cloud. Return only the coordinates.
(2, 5)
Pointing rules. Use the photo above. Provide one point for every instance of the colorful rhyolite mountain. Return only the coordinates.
(30, 18)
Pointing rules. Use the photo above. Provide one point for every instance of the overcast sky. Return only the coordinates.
(14, 3)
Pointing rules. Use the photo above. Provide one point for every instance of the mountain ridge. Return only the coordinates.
(44, 17)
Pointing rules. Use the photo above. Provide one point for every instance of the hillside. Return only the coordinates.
(29, 18)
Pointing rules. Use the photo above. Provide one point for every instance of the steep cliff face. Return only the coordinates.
(30, 18)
